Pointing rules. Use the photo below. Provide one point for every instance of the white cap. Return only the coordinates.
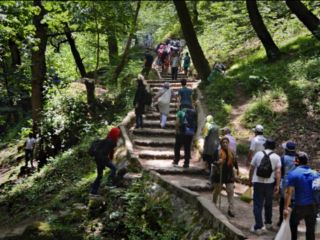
(258, 128)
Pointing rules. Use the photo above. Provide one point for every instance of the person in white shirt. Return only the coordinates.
(263, 187)
(257, 143)
(29, 147)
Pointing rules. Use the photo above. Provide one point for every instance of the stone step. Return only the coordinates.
(154, 141)
(156, 116)
(150, 132)
(170, 81)
(172, 85)
(156, 124)
(164, 166)
(151, 154)
(198, 183)
(168, 75)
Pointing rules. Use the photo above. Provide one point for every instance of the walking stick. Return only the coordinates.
(220, 186)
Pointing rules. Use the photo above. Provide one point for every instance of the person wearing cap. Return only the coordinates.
(300, 182)
(263, 188)
(210, 133)
(226, 132)
(257, 143)
(164, 98)
(104, 157)
(185, 95)
(287, 165)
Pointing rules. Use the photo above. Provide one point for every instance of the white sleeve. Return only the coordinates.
(253, 145)
(254, 159)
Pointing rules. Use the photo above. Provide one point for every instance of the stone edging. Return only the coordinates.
(205, 207)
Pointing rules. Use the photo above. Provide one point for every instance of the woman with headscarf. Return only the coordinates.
(210, 133)
(164, 98)
(139, 102)
(224, 161)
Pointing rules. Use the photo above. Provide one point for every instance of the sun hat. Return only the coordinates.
(258, 128)
(289, 146)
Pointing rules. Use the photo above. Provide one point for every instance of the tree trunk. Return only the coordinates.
(15, 54)
(124, 58)
(195, 19)
(38, 66)
(112, 47)
(198, 58)
(272, 51)
(77, 58)
(305, 16)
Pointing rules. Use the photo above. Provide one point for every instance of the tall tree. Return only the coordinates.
(305, 16)
(125, 54)
(77, 58)
(198, 58)
(263, 34)
(112, 46)
(38, 65)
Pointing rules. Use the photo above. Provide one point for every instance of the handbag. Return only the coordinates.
(247, 195)
(284, 232)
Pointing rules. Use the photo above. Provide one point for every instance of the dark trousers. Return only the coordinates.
(174, 73)
(309, 214)
(145, 71)
(111, 177)
(139, 121)
(209, 159)
(185, 141)
(29, 156)
(262, 195)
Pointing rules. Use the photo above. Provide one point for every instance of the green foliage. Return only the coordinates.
(258, 113)
(219, 95)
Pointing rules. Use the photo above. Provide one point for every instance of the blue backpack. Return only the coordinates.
(189, 122)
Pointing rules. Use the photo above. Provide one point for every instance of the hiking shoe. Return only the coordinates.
(94, 195)
(231, 214)
(175, 164)
(258, 231)
(185, 166)
(269, 226)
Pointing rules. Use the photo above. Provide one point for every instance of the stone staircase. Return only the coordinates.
(154, 148)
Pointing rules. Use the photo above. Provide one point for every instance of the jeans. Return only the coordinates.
(262, 194)
(100, 168)
(186, 141)
(163, 120)
(174, 73)
(139, 121)
(309, 214)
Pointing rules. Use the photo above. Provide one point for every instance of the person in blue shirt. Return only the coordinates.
(185, 95)
(300, 181)
(287, 165)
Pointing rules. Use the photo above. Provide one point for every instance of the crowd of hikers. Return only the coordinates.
(288, 175)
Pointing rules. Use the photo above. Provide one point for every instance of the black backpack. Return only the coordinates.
(94, 147)
(265, 168)
(189, 122)
(148, 98)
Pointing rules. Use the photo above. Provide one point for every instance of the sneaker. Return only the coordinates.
(269, 226)
(185, 166)
(94, 195)
(231, 214)
(258, 232)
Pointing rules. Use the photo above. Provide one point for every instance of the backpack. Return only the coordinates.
(265, 168)
(93, 150)
(148, 98)
(188, 122)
